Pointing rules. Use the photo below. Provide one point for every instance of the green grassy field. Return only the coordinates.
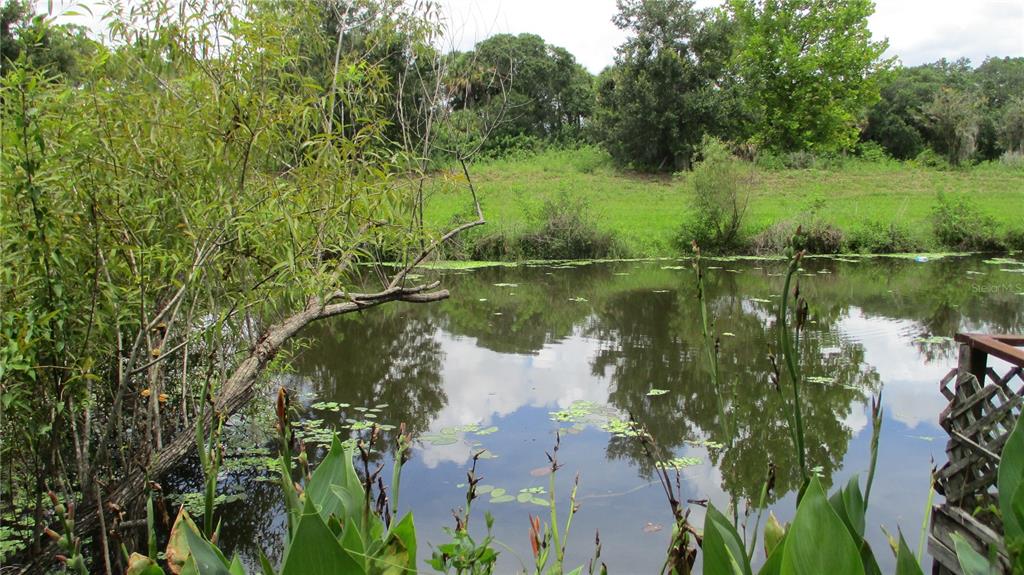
(646, 212)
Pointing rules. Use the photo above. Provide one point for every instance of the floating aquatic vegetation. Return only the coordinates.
(461, 265)
(705, 443)
(313, 431)
(760, 300)
(329, 405)
(678, 463)
(1004, 262)
(621, 428)
(506, 285)
(195, 502)
(655, 391)
(674, 267)
(578, 299)
(440, 439)
(531, 495)
(499, 495)
(450, 435)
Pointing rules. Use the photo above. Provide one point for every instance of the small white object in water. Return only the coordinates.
(921, 259)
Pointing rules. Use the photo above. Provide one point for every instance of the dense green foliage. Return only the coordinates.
(721, 191)
(168, 198)
(959, 112)
(811, 67)
(547, 93)
(669, 86)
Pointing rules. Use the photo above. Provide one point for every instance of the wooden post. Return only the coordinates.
(973, 361)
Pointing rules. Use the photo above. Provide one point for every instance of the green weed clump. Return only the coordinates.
(958, 224)
(876, 237)
(818, 237)
(566, 230)
(720, 193)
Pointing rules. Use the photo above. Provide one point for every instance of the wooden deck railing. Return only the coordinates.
(984, 405)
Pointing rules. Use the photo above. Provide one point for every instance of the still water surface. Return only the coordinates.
(515, 345)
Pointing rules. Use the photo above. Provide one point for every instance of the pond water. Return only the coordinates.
(492, 367)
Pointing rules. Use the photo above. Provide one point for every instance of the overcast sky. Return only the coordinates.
(919, 31)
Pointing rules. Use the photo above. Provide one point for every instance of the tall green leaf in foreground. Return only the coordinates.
(818, 542)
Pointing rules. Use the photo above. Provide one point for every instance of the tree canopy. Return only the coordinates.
(811, 69)
(669, 86)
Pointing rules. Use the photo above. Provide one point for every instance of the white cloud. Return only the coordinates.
(911, 393)
(482, 385)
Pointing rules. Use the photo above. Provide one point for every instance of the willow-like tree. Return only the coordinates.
(169, 221)
(810, 67)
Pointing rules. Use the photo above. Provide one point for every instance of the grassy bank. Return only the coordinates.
(645, 213)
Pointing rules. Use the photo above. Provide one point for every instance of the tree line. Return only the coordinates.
(775, 76)
(767, 76)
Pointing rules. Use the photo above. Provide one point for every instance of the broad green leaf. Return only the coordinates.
(818, 542)
(236, 567)
(723, 549)
(334, 484)
(352, 541)
(293, 509)
(265, 565)
(1011, 483)
(906, 562)
(203, 556)
(398, 554)
(176, 552)
(315, 551)
(848, 503)
(972, 562)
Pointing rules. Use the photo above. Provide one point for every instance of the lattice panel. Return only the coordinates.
(978, 420)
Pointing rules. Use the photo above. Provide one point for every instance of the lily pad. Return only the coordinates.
(486, 430)
(440, 439)
(679, 463)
